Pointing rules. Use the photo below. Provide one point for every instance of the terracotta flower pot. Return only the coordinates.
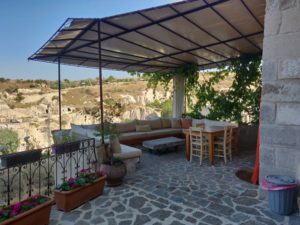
(38, 215)
(68, 200)
(114, 173)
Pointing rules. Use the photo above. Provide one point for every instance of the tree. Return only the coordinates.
(110, 79)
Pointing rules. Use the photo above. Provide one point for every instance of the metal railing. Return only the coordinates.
(55, 165)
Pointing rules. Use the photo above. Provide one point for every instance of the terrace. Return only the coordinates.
(166, 189)
(176, 192)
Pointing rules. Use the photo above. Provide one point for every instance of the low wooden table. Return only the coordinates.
(163, 143)
(211, 134)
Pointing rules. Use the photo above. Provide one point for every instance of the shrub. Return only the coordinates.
(110, 79)
(19, 97)
(10, 139)
(11, 90)
(164, 106)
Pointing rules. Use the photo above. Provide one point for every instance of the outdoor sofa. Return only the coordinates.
(136, 131)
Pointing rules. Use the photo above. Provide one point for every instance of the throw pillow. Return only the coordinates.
(166, 123)
(143, 128)
(175, 123)
(186, 123)
(115, 145)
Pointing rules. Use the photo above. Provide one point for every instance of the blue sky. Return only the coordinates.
(27, 24)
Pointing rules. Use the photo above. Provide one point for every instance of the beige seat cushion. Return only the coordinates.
(126, 127)
(128, 152)
(132, 135)
(154, 124)
(166, 123)
(142, 128)
(168, 131)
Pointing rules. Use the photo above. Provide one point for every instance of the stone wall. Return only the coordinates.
(280, 110)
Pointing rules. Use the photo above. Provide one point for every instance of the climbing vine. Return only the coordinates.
(189, 71)
(242, 98)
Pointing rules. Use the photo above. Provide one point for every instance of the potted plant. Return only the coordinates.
(34, 210)
(76, 191)
(114, 168)
(65, 142)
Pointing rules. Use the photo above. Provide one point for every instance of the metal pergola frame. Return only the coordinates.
(95, 52)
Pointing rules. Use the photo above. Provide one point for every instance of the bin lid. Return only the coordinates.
(274, 187)
(281, 180)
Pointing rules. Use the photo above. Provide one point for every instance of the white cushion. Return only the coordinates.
(128, 152)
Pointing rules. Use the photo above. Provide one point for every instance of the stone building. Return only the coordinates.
(280, 107)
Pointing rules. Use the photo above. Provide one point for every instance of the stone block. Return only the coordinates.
(267, 112)
(267, 156)
(274, 5)
(272, 23)
(290, 20)
(269, 70)
(289, 68)
(283, 91)
(287, 158)
(288, 113)
(281, 46)
(279, 135)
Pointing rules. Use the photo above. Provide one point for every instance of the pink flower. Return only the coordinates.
(72, 185)
(1, 211)
(35, 197)
(71, 180)
(101, 173)
(16, 208)
(85, 171)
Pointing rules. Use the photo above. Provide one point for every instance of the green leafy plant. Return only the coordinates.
(165, 107)
(84, 177)
(7, 212)
(10, 140)
(241, 98)
(66, 137)
(189, 71)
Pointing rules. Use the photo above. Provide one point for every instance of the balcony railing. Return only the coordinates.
(22, 178)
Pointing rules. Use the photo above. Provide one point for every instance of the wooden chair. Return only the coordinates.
(198, 144)
(223, 145)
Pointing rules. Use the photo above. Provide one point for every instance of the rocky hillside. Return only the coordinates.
(32, 109)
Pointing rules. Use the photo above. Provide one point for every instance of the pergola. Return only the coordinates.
(160, 39)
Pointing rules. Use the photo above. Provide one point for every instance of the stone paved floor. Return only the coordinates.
(168, 190)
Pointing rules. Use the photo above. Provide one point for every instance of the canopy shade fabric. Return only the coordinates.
(161, 39)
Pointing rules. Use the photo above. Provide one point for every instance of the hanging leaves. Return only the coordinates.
(242, 98)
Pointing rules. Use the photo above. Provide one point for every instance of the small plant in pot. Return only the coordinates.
(76, 191)
(114, 168)
(33, 210)
(65, 142)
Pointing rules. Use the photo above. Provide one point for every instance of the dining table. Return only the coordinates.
(211, 133)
